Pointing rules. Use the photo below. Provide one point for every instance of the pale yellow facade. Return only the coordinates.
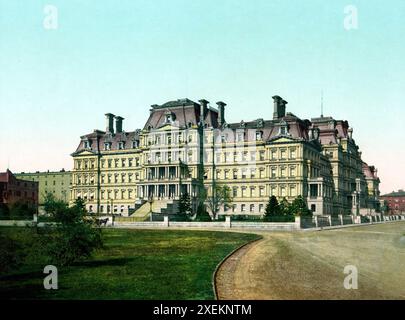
(286, 157)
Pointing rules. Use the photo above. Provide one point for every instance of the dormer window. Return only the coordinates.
(259, 135)
(121, 145)
(283, 129)
(87, 144)
(169, 117)
(135, 144)
(107, 146)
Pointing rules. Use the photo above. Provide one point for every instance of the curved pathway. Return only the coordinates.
(310, 265)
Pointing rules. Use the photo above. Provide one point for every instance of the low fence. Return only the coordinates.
(315, 222)
(343, 220)
(227, 224)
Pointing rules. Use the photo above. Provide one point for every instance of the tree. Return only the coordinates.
(285, 207)
(221, 197)
(202, 214)
(76, 234)
(54, 207)
(272, 207)
(299, 207)
(185, 204)
(22, 210)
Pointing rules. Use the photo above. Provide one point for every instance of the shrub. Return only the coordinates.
(272, 208)
(11, 253)
(22, 211)
(76, 235)
(202, 214)
(4, 212)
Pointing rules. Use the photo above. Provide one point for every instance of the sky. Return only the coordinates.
(56, 84)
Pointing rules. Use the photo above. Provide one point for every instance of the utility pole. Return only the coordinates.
(214, 191)
(201, 129)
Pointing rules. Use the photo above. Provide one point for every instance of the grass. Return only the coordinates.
(135, 264)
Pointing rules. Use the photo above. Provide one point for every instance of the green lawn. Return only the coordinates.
(135, 264)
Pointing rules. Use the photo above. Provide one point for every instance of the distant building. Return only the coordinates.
(395, 201)
(13, 190)
(56, 182)
(186, 146)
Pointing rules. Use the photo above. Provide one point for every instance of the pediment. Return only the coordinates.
(167, 127)
(282, 139)
(84, 153)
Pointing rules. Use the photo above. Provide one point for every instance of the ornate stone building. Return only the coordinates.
(187, 146)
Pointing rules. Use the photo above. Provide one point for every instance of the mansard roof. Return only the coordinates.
(102, 137)
(369, 171)
(186, 113)
(297, 128)
(330, 129)
(399, 193)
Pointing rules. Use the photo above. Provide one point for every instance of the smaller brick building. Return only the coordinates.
(14, 190)
(395, 201)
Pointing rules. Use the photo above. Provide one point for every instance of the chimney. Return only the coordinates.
(350, 133)
(109, 123)
(279, 107)
(203, 109)
(221, 112)
(118, 124)
(283, 106)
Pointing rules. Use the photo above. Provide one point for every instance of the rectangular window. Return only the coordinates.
(262, 193)
(293, 154)
(252, 173)
(234, 192)
(253, 156)
(274, 172)
(292, 172)
(262, 155)
(262, 173)
(293, 191)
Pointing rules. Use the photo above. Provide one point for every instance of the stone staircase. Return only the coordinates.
(168, 207)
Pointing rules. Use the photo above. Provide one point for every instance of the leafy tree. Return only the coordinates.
(76, 234)
(202, 213)
(185, 204)
(22, 210)
(221, 197)
(272, 208)
(285, 207)
(299, 207)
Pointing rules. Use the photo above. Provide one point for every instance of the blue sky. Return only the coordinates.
(123, 56)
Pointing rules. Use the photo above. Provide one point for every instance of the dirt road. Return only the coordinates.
(310, 265)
